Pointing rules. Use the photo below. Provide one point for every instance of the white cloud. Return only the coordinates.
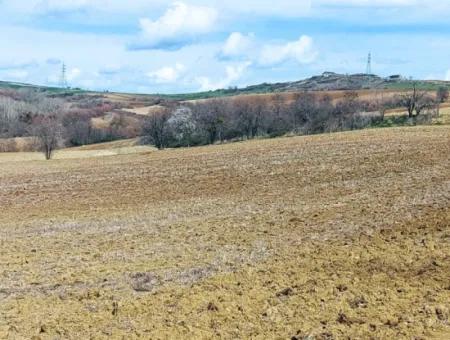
(367, 3)
(167, 74)
(18, 64)
(233, 73)
(15, 75)
(237, 45)
(302, 51)
(247, 47)
(178, 23)
(34, 7)
(58, 5)
(105, 28)
(283, 8)
(110, 70)
(280, 8)
(230, 8)
(436, 76)
(73, 74)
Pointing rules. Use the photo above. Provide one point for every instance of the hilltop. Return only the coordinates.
(327, 81)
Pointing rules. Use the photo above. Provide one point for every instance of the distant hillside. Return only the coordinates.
(328, 81)
(47, 89)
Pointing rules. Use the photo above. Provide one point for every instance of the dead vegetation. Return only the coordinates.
(326, 237)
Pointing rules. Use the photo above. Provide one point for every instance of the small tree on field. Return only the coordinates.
(156, 128)
(47, 131)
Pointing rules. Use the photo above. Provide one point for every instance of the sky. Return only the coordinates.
(159, 46)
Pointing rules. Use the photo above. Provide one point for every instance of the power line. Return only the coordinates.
(63, 78)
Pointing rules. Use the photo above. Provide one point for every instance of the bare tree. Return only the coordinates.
(411, 100)
(425, 103)
(278, 116)
(210, 117)
(13, 116)
(304, 107)
(156, 128)
(349, 104)
(442, 96)
(77, 128)
(322, 119)
(247, 115)
(47, 131)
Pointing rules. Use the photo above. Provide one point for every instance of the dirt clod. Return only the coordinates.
(286, 292)
(212, 307)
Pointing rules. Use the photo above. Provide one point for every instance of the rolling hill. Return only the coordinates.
(328, 81)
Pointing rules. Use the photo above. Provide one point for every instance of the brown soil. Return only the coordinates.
(331, 236)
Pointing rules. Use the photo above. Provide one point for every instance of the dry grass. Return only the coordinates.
(122, 147)
(19, 144)
(118, 144)
(289, 97)
(145, 110)
(327, 236)
(444, 115)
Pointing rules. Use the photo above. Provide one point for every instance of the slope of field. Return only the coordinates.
(144, 110)
(331, 236)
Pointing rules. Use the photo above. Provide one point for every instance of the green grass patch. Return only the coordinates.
(394, 121)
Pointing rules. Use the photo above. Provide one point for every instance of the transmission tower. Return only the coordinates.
(63, 77)
(369, 65)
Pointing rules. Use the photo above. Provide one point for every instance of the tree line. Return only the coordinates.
(219, 120)
(54, 122)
